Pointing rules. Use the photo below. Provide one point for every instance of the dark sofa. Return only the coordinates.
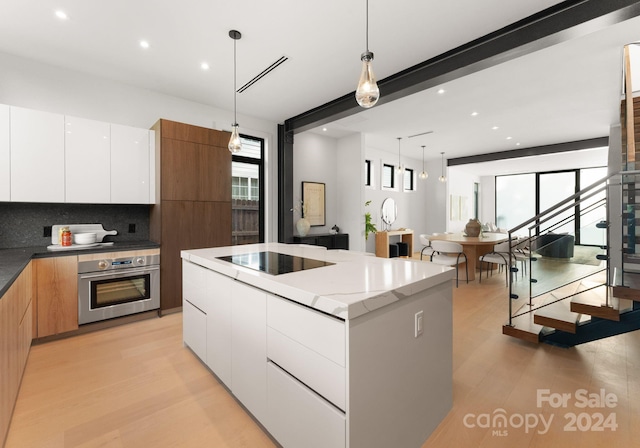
(556, 245)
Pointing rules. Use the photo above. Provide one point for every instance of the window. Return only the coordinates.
(408, 180)
(368, 180)
(247, 192)
(387, 176)
(520, 197)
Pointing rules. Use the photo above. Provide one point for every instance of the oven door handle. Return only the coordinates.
(121, 272)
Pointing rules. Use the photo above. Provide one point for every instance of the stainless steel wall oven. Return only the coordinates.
(114, 287)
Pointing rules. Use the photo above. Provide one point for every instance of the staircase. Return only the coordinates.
(569, 300)
(576, 298)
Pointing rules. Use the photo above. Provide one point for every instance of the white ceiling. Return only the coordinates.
(566, 92)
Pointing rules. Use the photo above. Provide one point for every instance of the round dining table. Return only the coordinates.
(472, 246)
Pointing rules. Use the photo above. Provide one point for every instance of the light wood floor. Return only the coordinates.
(137, 386)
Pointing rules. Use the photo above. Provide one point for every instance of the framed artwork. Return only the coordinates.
(313, 202)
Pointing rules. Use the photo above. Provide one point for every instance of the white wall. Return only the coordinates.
(420, 210)
(315, 160)
(43, 87)
(460, 195)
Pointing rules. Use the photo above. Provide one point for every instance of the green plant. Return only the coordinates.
(369, 227)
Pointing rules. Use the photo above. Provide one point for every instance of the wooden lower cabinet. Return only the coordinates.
(56, 281)
(15, 341)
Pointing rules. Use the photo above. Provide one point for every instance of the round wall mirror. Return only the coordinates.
(389, 211)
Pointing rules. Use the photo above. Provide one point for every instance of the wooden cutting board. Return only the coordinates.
(81, 228)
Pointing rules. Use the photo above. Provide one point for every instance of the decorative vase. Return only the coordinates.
(303, 225)
(472, 228)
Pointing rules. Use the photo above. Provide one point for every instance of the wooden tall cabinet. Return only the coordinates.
(15, 341)
(193, 198)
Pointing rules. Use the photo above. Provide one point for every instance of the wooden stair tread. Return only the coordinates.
(523, 327)
(594, 303)
(558, 315)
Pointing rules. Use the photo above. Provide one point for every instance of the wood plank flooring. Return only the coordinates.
(137, 386)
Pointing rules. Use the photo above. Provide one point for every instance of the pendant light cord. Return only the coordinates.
(367, 28)
(235, 93)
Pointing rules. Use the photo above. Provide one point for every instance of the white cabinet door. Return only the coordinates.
(37, 156)
(5, 155)
(130, 182)
(194, 329)
(219, 326)
(249, 348)
(87, 149)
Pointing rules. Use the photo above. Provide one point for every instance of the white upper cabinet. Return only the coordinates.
(130, 165)
(5, 155)
(87, 161)
(37, 156)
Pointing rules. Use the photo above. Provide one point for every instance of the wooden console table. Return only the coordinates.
(382, 241)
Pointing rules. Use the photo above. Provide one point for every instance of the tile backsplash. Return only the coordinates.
(22, 224)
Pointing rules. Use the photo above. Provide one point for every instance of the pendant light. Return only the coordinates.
(399, 164)
(442, 177)
(423, 175)
(367, 93)
(234, 142)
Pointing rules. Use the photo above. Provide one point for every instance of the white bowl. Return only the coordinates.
(84, 238)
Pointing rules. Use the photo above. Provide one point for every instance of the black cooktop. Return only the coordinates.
(274, 263)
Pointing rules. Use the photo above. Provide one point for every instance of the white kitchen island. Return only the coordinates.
(347, 350)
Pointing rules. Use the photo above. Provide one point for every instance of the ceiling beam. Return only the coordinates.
(533, 151)
(562, 22)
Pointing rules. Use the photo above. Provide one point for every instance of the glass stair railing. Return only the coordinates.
(563, 256)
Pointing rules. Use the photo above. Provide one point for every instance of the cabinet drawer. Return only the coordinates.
(297, 417)
(194, 334)
(323, 334)
(319, 373)
(194, 285)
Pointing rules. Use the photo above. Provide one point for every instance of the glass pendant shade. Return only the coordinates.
(367, 93)
(442, 177)
(235, 145)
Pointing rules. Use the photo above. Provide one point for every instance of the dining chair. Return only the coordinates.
(426, 243)
(499, 256)
(449, 253)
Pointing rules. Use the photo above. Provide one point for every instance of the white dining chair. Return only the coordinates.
(427, 250)
(449, 253)
(499, 256)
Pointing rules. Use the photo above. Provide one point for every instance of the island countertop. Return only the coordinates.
(353, 285)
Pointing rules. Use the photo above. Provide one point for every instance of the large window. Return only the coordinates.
(247, 192)
(520, 197)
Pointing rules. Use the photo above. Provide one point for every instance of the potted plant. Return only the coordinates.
(369, 226)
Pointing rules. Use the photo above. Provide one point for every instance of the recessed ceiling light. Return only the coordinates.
(441, 91)
(324, 129)
(474, 114)
(61, 15)
(495, 128)
(509, 138)
(204, 66)
(144, 44)
(518, 144)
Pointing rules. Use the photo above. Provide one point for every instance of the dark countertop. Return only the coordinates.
(13, 261)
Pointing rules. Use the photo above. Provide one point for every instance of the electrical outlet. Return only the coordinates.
(47, 231)
(132, 228)
(419, 323)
